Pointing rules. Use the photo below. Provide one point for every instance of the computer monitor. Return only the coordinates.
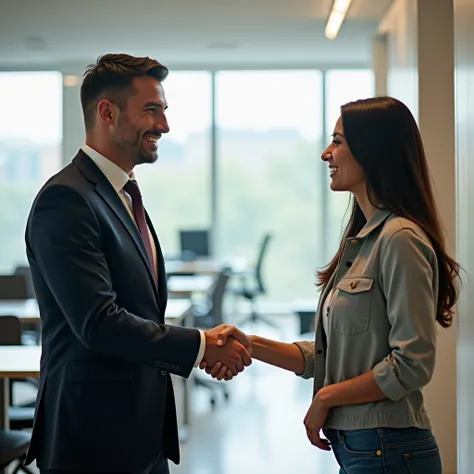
(194, 243)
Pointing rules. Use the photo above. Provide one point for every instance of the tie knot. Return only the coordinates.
(131, 187)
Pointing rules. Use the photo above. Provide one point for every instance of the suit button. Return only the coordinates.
(163, 372)
(319, 351)
(349, 264)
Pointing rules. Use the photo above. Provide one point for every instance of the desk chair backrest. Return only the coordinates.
(25, 271)
(13, 287)
(210, 314)
(10, 331)
(217, 296)
(258, 267)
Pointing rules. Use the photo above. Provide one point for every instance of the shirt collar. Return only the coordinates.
(377, 219)
(117, 177)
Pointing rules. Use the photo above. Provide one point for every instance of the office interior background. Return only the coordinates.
(254, 92)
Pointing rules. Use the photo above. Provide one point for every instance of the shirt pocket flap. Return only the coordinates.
(355, 285)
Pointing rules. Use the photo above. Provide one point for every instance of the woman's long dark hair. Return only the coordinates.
(384, 139)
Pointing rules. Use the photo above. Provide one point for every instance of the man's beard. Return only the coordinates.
(133, 145)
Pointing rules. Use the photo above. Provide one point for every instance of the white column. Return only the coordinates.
(420, 73)
(436, 119)
(464, 67)
(379, 63)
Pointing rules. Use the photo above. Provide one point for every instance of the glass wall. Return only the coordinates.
(176, 189)
(269, 130)
(30, 152)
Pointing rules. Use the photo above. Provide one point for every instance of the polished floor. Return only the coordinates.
(260, 429)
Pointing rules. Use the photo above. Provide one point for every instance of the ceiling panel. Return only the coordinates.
(184, 31)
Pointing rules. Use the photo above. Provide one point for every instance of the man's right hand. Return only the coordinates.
(226, 333)
(233, 353)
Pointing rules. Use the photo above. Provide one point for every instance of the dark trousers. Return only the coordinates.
(159, 466)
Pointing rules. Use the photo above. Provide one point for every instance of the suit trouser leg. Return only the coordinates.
(161, 467)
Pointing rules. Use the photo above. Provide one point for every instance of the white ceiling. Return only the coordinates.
(189, 33)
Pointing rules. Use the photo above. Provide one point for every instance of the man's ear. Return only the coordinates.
(106, 111)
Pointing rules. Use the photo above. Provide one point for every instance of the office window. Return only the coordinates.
(30, 152)
(176, 189)
(342, 86)
(269, 127)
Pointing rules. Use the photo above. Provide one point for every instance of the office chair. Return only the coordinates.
(208, 316)
(19, 286)
(13, 287)
(14, 446)
(25, 272)
(251, 292)
(21, 416)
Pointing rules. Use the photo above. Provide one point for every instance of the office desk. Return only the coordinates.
(204, 266)
(25, 310)
(28, 312)
(185, 286)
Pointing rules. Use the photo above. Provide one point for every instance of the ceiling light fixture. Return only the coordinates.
(336, 18)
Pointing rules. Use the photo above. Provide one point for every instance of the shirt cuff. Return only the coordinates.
(387, 381)
(202, 349)
(307, 349)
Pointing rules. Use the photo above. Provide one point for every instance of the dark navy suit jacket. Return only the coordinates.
(105, 401)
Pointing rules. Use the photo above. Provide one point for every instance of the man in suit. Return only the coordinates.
(105, 401)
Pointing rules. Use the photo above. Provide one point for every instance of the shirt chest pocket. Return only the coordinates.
(351, 306)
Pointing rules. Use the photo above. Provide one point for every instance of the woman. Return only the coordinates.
(382, 293)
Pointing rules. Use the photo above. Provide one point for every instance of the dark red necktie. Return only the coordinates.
(139, 211)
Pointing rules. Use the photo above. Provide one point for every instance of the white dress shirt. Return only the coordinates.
(118, 178)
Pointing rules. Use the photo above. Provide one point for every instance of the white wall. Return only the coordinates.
(464, 67)
(420, 73)
(400, 28)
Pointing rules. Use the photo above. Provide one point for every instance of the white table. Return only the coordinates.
(16, 362)
(204, 266)
(185, 286)
(25, 310)
(28, 312)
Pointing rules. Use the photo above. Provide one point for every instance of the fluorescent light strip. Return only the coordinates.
(336, 18)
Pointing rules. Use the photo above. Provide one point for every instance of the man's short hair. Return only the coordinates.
(111, 77)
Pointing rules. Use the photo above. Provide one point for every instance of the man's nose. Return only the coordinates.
(165, 128)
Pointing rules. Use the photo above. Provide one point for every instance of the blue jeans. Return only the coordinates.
(386, 451)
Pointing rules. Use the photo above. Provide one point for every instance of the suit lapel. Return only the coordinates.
(108, 194)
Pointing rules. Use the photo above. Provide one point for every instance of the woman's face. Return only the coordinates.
(345, 173)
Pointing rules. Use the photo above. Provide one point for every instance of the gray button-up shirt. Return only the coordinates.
(382, 317)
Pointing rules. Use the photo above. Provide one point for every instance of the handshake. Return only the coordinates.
(228, 352)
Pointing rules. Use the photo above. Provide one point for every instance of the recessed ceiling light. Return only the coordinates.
(36, 42)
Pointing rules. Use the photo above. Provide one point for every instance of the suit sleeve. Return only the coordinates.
(63, 236)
